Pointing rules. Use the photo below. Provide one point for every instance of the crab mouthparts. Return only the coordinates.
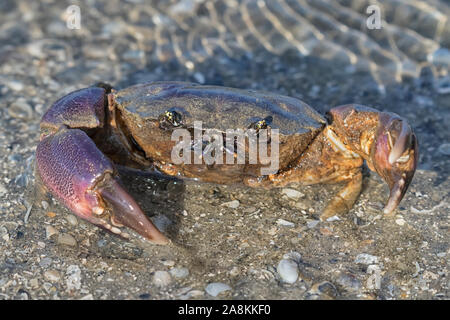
(127, 212)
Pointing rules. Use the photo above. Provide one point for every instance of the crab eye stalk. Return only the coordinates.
(261, 124)
(170, 119)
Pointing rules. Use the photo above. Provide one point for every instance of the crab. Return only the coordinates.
(88, 132)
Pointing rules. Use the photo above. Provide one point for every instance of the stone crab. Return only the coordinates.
(85, 133)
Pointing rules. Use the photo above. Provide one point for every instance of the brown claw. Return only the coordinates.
(127, 212)
(395, 157)
(384, 140)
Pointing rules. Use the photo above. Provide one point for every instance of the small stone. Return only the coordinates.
(293, 255)
(193, 294)
(162, 278)
(45, 262)
(232, 204)
(4, 234)
(88, 297)
(101, 243)
(52, 275)
(293, 194)
(34, 283)
(285, 223)
(349, 282)
(441, 254)
(288, 270)
(326, 288)
(15, 85)
(72, 219)
(66, 239)
(168, 263)
(161, 222)
(400, 222)
(442, 85)
(44, 204)
(234, 271)
(73, 280)
(326, 231)
(365, 258)
(51, 214)
(216, 288)
(3, 190)
(312, 224)
(179, 272)
(444, 149)
(50, 231)
(20, 109)
(333, 218)
(199, 77)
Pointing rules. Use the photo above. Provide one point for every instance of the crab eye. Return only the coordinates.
(261, 124)
(171, 117)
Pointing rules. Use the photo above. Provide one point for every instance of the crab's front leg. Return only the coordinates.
(75, 171)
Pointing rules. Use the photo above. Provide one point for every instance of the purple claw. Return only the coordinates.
(81, 176)
(83, 108)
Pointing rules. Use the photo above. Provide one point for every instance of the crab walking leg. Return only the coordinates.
(344, 200)
(76, 172)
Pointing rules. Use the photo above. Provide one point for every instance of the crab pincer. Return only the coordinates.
(390, 149)
(76, 172)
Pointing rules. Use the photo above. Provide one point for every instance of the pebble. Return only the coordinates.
(3, 190)
(87, 297)
(44, 204)
(66, 239)
(15, 85)
(294, 256)
(285, 223)
(348, 281)
(199, 77)
(20, 109)
(179, 272)
(216, 288)
(161, 222)
(162, 278)
(4, 233)
(442, 85)
(72, 219)
(400, 222)
(232, 204)
(50, 231)
(34, 283)
(52, 275)
(324, 287)
(312, 224)
(444, 149)
(365, 258)
(45, 262)
(288, 270)
(73, 280)
(293, 194)
(192, 294)
(168, 263)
